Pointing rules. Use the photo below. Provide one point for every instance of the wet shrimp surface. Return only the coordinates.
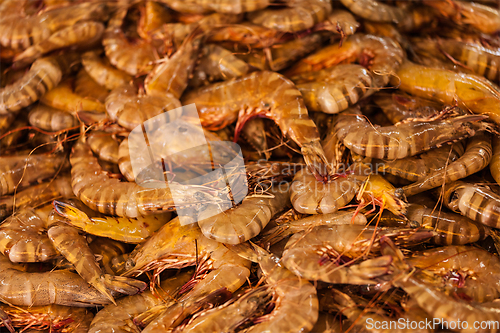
(249, 166)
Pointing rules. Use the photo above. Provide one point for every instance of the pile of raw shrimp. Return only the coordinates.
(369, 136)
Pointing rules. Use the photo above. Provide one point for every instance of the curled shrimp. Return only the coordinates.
(376, 10)
(300, 15)
(243, 222)
(336, 88)
(476, 202)
(477, 156)
(102, 72)
(265, 94)
(44, 74)
(473, 92)
(382, 56)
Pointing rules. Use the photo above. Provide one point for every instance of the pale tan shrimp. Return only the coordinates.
(86, 86)
(118, 318)
(265, 94)
(418, 167)
(300, 15)
(23, 237)
(102, 72)
(36, 195)
(477, 156)
(104, 146)
(63, 97)
(132, 58)
(473, 92)
(244, 221)
(476, 202)
(220, 6)
(217, 63)
(291, 293)
(75, 249)
(481, 17)
(336, 88)
(381, 55)
(83, 33)
(450, 228)
(21, 171)
(110, 196)
(126, 230)
(44, 74)
(52, 317)
(376, 10)
(130, 110)
(495, 160)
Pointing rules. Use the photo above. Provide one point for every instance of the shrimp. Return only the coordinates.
(477, 156)
(124, 162)
(300, 15)
(407, 139)
(21, 170)
(381, 55)
(104, 146)
(110, 196)
(483, 18)
(106, 249)
(376, 10)
(291, 293)
(133, 58)
(217, 63)
(102, 72)
(130, 110)
(450, 228)
(417, 168)
(378, 191)
(334, 89)
(400, 107)
(254, 132)
(222, 6)
(473, 92)
(118, 318)
(86, 86)
(476, 202)
(436, 303)
(153, 16)
(55, 317)
(265, 94)
(36, 195)
(64, 98)
(44, 74)
(495, 160)
(75, 249)
(126, 230)
(243, 222)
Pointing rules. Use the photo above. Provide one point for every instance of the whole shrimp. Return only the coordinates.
(300, 15)
(476, 202)
(106, 249)
(243, 222)
(44, 74)
(477, 156)
(473, 92)
(102, 72)
(265, 94)
(382, 56)
(376, 10)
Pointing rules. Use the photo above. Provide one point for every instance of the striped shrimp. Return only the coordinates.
(22, 170)
(477, 156)
(222, 6)
(104, 146)
(473, 92)
(334, 89)
(382, 56)
(376, 10)
(476, 202)
(112, 197)
(243, 222)
(44, 74)
(300, 15)
(102, 72)
(265, 94)
(495, 160)
(450, 228)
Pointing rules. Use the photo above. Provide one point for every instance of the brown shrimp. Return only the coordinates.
(476, 202)
(221, 6)
(381, 55)
(104, 146)
(300, 15)
(265, 94)
(44, 74)
(376, 10)
(477, 156)
(334, 89)
(102, 72)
